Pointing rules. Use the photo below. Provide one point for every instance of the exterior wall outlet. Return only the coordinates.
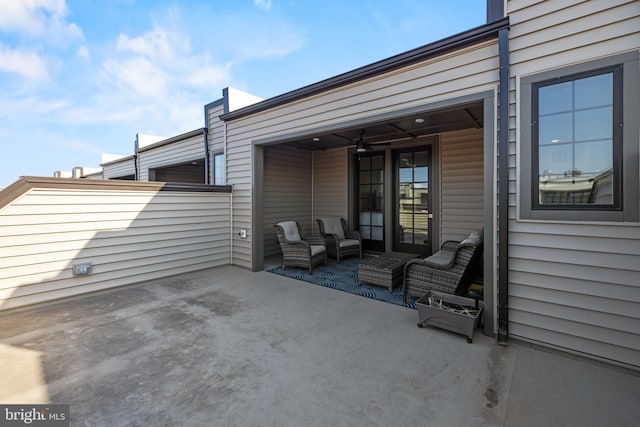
(243, 233)
(82, 269)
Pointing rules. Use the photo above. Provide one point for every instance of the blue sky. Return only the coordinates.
(81, 77)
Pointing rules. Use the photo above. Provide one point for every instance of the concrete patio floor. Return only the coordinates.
(227, 347)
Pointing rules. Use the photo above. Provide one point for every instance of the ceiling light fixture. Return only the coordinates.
(419, 120)
(316, 139)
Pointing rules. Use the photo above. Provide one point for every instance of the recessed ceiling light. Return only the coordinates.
(316, 139)
(419, 120)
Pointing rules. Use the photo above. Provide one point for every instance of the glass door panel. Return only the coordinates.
(371, 201)
(413, 206)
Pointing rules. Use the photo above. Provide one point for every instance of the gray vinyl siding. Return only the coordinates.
(171, 154)
(128, 235)
(118, 169)
(573, 285)
(330, 184)
(462, 178)
(469, 71)
(287, 192)
(215, 129)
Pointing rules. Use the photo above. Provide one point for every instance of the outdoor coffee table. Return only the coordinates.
(387, 270)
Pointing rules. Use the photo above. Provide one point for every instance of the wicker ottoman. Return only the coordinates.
(387, 270)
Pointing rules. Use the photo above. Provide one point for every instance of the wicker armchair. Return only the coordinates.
(339, 242)
(448, 270)
(299, 252)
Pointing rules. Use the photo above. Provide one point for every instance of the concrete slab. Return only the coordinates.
(233, 348)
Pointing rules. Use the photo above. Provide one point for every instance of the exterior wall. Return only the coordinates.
(462, 179)
(130, 232)
(466, 72)
(330, 185)
(118, 169)
(216, 128)
(573, 285)
(175, 153)
(287, 192)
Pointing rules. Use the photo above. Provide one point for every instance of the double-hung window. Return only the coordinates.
(579, 142)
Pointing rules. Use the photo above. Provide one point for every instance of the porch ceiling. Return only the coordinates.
(398, 129)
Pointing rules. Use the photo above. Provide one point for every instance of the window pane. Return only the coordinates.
(377, 190)
(376, 219)
(406, 175)
(377, 162)
(365, 231)
(365, 191)
(365, 218)
(218, 169)
(555, 160)
(365, 163)
(594, 91)
(555, 98)
(420, 174)
(555, 128)
(376, 233)
(595, 123)
(592, 158)
(377, 176)
(365, 177)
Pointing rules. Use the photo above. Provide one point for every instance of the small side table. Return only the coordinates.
(387, 270)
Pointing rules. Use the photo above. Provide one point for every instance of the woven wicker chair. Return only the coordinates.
(298, 251)
(448, 270)
(339, 242)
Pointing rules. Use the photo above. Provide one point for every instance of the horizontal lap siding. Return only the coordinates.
(287, 192)
(470, 71)
(215, 129)
(171, 154)
(462, 207)
(573, 286)
(119, 169)
(330, 192)
(128, 236)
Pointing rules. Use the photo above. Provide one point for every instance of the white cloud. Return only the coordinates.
(139, 75)
(155, 44)
(263, 4)
(25, 63)
(83, 53)
(43, 19)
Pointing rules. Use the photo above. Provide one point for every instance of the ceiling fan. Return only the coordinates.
(361, 146)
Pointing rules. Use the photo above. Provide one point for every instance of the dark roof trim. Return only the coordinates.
(458, 41)
(26, 183)
(178, 138)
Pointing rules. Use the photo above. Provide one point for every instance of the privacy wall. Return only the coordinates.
(126, 232)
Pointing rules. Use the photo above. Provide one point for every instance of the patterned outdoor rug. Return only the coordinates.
(344, 276)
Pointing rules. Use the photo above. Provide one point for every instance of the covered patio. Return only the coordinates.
(225, 346)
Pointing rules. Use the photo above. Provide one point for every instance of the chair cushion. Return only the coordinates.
(333, 226)
(442, 258)
(474, 238)
(317, 249)
(290, 230)
(348, 242)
